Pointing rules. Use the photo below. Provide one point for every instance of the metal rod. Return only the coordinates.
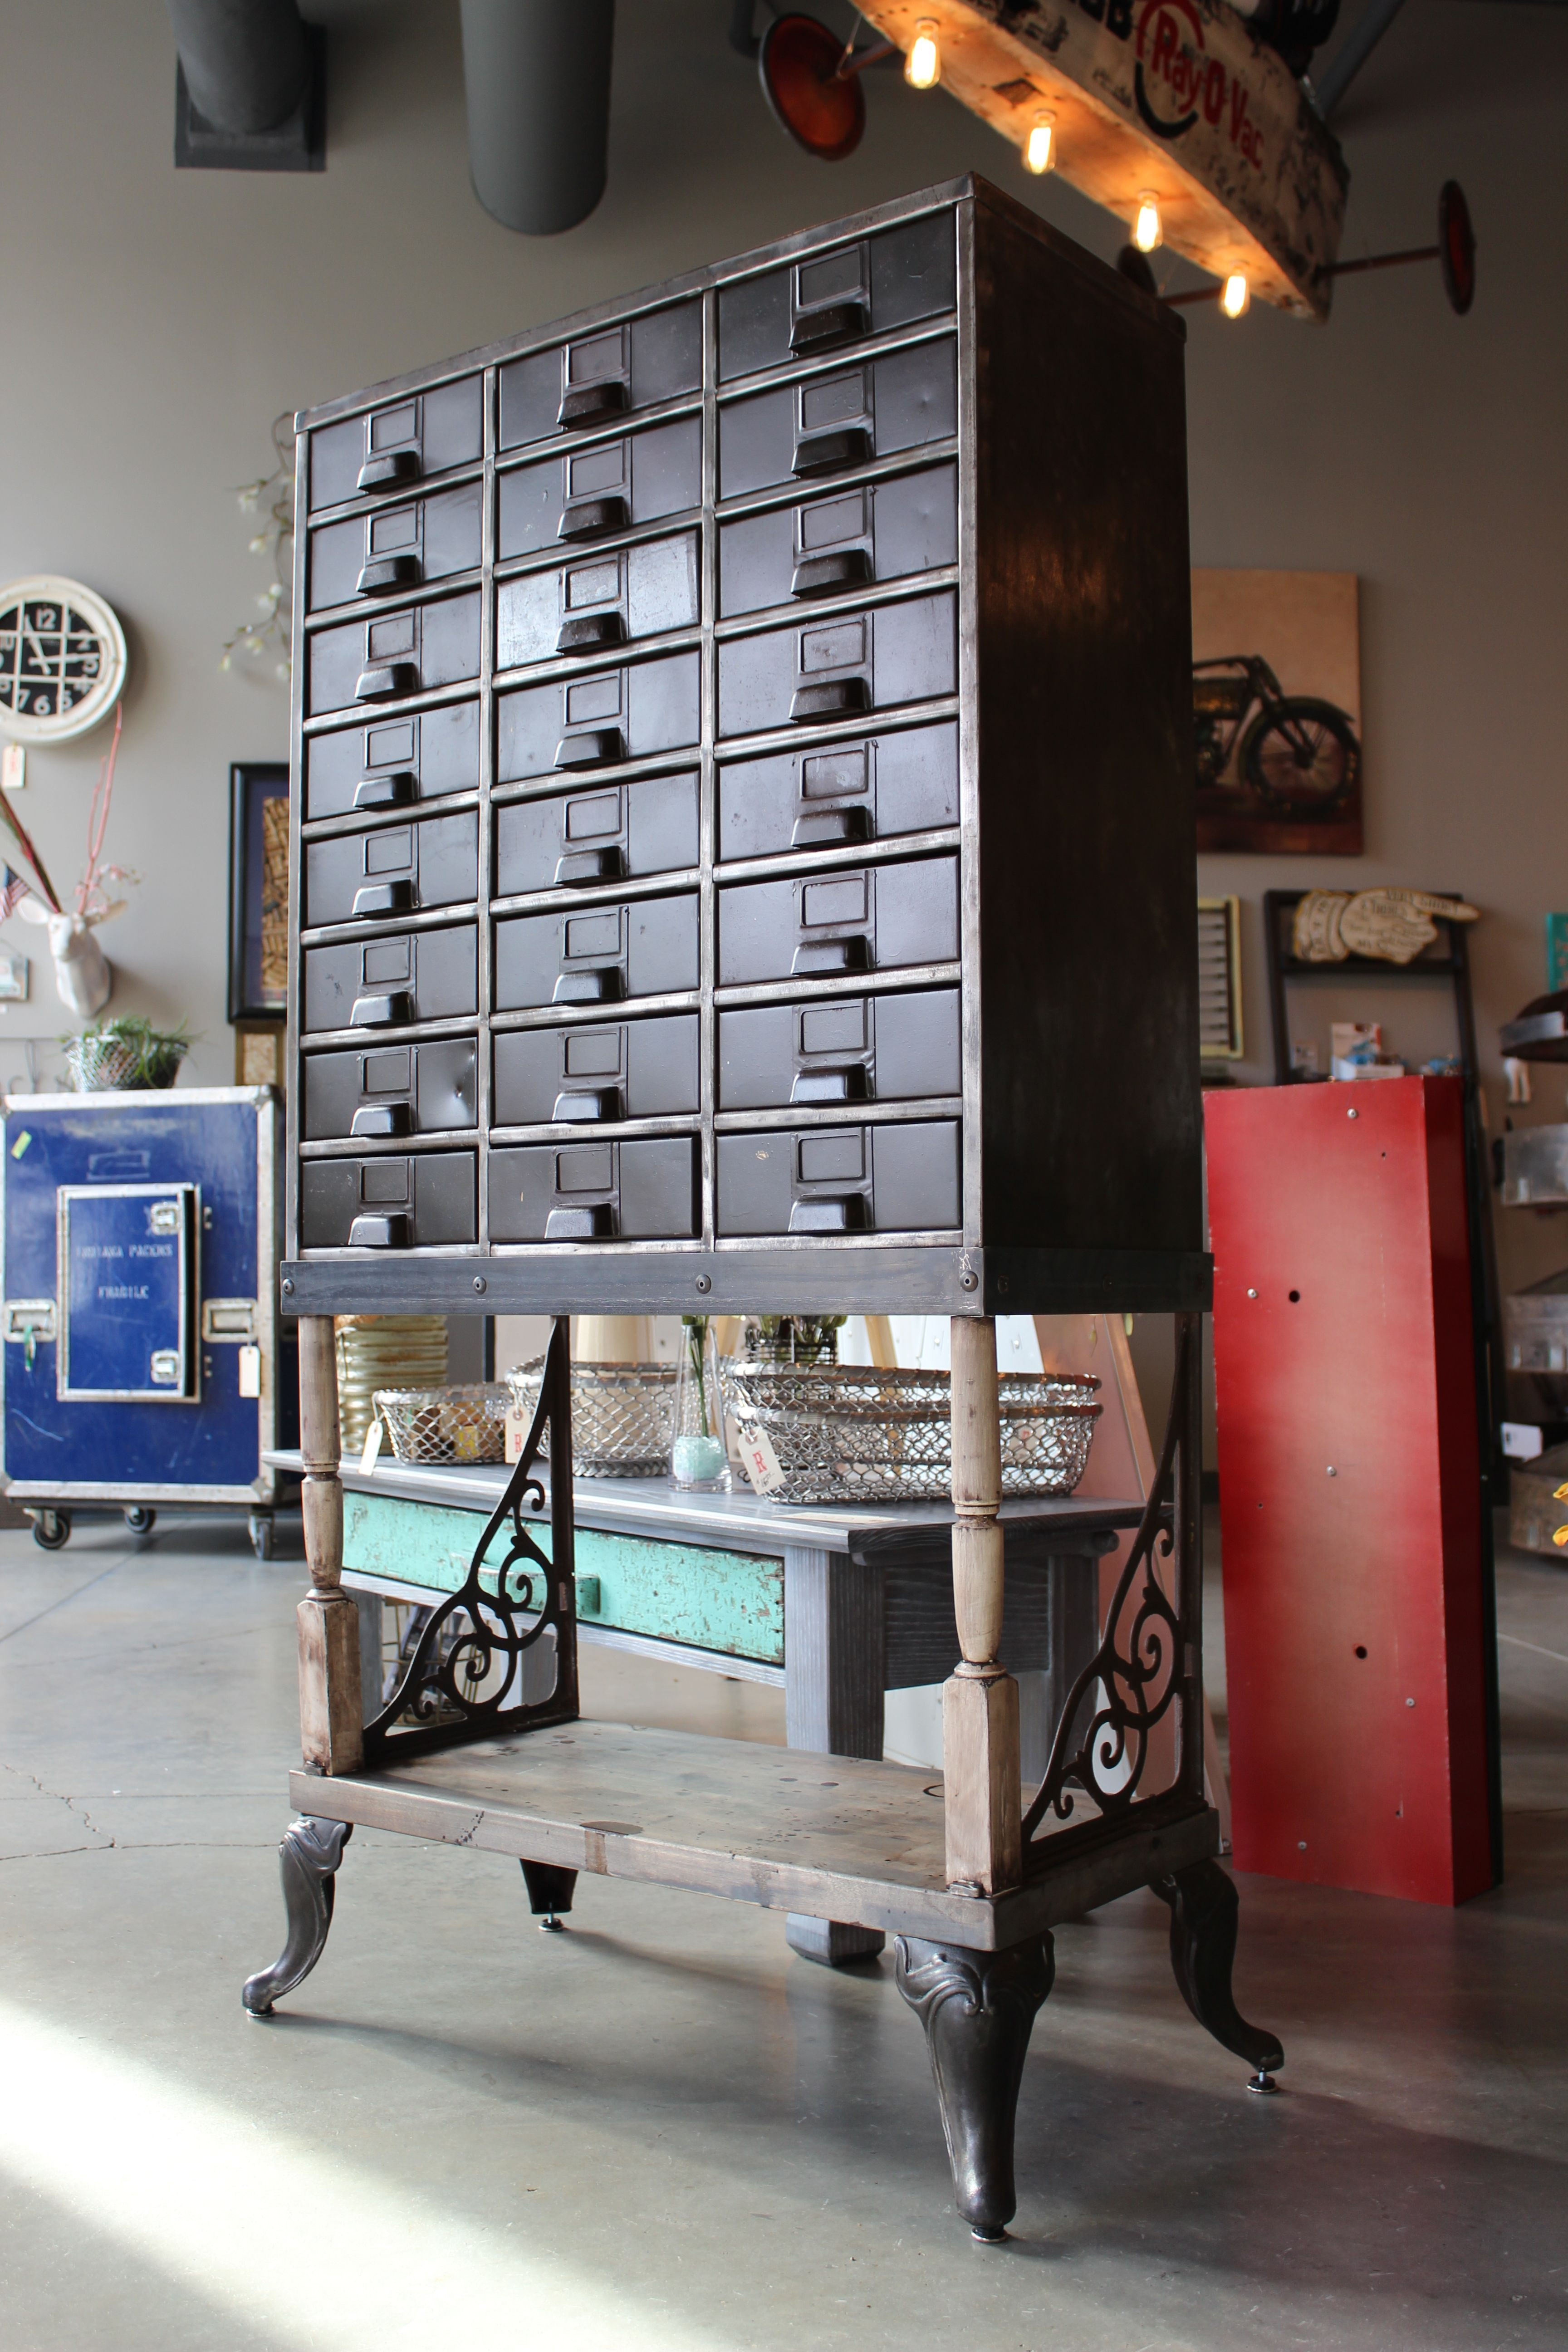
(1384, 261)
(1352, 54)
(850, 64)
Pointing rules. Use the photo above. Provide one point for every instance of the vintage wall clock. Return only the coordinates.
(62, 659)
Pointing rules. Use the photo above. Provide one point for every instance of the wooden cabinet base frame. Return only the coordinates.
(857, 1849)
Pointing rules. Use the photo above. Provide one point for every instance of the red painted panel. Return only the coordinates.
(1349, 1486)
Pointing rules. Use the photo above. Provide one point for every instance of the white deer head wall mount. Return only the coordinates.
(84, 978)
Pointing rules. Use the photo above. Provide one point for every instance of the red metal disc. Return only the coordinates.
(798, 63)
(1456, 246)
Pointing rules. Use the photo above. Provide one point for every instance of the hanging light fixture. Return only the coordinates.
(1147, 232)
(922, 65)
(1040, 146)
(1235, 296)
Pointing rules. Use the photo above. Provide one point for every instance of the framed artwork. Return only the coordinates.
(1276, 711)
(259, 891)
(1220, 1034)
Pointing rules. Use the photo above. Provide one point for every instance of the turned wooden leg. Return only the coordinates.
(308, 1856)
(981, 1759)
(550, 1888)
(1205, 1909)
(331, 1717)
(977, 2009)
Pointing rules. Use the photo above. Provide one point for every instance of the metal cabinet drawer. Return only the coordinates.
(600, 834)
(866, 919)
(902, 1047)
(394, 763)
(831, 423)
(601, 375)
(598, 602)
(397, 547)
(383, 983)
(837, 1180)
(402, 443)
(876, 530)
(393, 653)
(864, 288)
(418, 1201)
(867, 790)
(616, 1069)
(587, 722)
(396, 1090)
(642, 1189)
(836, 668)
(598, 955)
(610, 486)
(394, 870)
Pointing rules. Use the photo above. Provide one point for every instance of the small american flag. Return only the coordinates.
(13, 890)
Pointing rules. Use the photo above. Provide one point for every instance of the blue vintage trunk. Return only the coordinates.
(140, 1273)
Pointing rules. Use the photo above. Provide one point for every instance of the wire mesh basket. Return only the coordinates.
(847, 1433)
(451, 1425)
(623, 1416)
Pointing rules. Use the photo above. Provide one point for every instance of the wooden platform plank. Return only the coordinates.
(834, 1836)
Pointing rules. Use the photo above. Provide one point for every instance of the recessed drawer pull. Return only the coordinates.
(818, 575)
(590, 402)
(592, 749)
(384, 681)
(385, 898)
(594, 1222)
(390, 468)
(386, 572)
(383, 1119)
(598, 1102)
(601, 987)
(830, 1085)
(382, 1012)
(840, 1216)
(826, 828)
(827, 453)
(587, 518)
(837, 697)
(582, 866)
(394, 1232)
(839, 322)
(391, 791)
(832, 955)
(590, 633)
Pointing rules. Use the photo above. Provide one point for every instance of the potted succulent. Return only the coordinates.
(126, 1052)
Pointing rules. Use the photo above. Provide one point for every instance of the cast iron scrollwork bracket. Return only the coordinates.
(471, 1663)
(1147, 1655)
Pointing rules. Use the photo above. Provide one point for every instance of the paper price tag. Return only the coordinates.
(758, 1460)
(372, 1447)
(516, 1435)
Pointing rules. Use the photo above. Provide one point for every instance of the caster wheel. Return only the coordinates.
(52, 1529)
(140, 1519)
(260, 1536)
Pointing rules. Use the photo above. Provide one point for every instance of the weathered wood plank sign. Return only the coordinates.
(1178, 98)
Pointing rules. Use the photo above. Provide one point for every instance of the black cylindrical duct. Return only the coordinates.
(246, 61)
(538, 79)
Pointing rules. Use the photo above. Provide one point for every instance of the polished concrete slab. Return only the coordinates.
(662, 2130)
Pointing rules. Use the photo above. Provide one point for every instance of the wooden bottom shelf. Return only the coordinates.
(831, 1836)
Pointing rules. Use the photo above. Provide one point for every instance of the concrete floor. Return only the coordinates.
(662, 2130)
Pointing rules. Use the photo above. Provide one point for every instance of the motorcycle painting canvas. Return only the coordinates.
(1276, 711)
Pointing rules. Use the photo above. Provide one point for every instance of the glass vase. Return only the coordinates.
(697, 1456)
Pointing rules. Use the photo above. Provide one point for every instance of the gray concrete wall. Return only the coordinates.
(155, 322)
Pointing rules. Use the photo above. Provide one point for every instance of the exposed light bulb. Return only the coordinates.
(1040, 147)
(1146, 230)
(922, 67)
(1235, 295)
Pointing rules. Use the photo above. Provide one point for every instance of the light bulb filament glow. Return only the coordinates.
(1235, 295)
(1039, 148)
(922, 65)
(1147, 232)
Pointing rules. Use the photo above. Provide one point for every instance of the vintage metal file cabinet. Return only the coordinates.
(141, 1310)
(745, 862)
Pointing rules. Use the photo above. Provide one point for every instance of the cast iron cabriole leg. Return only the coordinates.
(309, 1853)
(977, 2009)
(549, 1892)
(1205, 1909)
